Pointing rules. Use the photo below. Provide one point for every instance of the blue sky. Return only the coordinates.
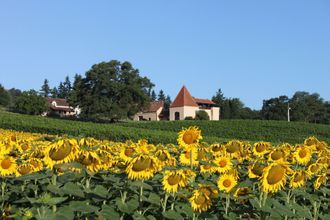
(252, 49)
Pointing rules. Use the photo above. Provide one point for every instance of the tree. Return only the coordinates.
(161, 96)
(153, 95)
(45, 89)
(275, 108)
(13, 93)
(4, 97)
(202, 115)
(30, 103)
(112, 91)
(75, 94)
(54, 93)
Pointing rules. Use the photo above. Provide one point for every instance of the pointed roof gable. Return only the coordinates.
(184, 99)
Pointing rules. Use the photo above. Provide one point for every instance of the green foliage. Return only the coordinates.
(111, 91)
(4, 97)
(30, 103)
(202, 115)
(275, 108)
(45, 89)
(188, 118)
(166, 131)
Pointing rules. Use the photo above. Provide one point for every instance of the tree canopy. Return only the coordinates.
(29, 102)
(110, 91)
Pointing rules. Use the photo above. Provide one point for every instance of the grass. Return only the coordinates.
(166, 131)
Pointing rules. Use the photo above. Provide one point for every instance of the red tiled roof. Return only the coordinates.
(155, 106)
(60, 102)
(204, 101)
(184, 99)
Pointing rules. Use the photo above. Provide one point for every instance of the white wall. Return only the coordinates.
(185, 111)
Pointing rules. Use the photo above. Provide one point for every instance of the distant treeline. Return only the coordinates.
(112, 91)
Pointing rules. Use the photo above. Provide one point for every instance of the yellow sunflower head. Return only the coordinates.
(217, 149)
(255, 170)
(24, 169)
(277, 155)
(165, 158)
(274, 177)
(234, 148)
(223, 164)
(227, 182)
(186, 155)
(128, 152)
(314, 169)
(242, 194)
(36, 163)
(142, 167)
(261, 148)
(207, 168)
(7, 165)
(320, 180)
(172, 180)
(90, 160)
(62, 151)
(189, 137)
(298, 179)
(200, 201)
(311, 141)
(302, 154)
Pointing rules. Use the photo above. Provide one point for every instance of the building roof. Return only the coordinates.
(204, 101)
(59, 102)
(66, 109)
(154, 106)
(184, 99)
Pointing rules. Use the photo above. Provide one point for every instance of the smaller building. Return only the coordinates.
(60, 107)
(185, 105)
(154, 112)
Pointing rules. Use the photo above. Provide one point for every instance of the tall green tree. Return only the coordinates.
(4, 97)
(29, 102)
(161, 96)
(75, 94)
(45, 89)
(54, 92)
(113, 90)
(153, 96)
(275, 108)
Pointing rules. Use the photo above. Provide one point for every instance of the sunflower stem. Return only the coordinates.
(227, 204)
(140, 197)
(165, 202)
(54, 178)
(172, 205)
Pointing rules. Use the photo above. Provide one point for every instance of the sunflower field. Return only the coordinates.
(58, 177)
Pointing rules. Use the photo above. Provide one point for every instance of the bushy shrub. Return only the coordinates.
(202, 115)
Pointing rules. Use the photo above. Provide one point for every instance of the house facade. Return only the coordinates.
(152, 113)
(186, 105)
(60, 107)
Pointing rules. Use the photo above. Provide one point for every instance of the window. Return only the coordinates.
(177, 116)
(149, 119)
(140, 118)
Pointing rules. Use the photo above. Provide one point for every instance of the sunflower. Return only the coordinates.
(165, 158)
(24, 146)
(217, 149)
(189, 138)
(273, 177)
(201, 199)
(277, 155)
(227, 182)
(234, 148)
(173, 180)
(24, 169)
(89, 159)
(320, 180)
(313, 169)
(241, 194)
(7, 165)
(185, 157)
(223, 164)
(255, 170)
(127, 153)
(36, 163)
(142, 167)
(207, 168)
(298, 179)
(261, 148)
(62, 151)
(311, 141)
(302, 154)
(106, 159)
